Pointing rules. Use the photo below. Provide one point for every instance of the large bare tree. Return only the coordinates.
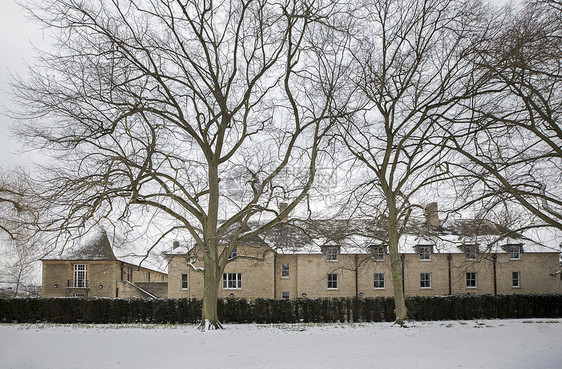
(509, 135)
(410, 68)
(203, 115)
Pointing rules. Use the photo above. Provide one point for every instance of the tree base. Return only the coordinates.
(208, 326)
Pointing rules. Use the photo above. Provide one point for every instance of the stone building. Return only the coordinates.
(336, 258)
(93, 270)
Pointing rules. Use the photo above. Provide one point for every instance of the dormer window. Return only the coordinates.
(470, 251)
(514, 252)
(425, 252)
(332, 253)
(378, 252)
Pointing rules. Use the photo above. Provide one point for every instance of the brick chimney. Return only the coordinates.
(282, 207)
(432, 214)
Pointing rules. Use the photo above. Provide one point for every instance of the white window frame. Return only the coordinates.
(285, 295)
(79, 295)
(514, 252)
(332, 281)
(232, 281)
(379, 282)
(425, 253)
(516, 279)
(332, 253)
(471, 280)
(80, 276)
(425, 278)
(285, 270)
(184, 281)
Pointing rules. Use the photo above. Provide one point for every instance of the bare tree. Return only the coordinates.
(410, 69)
(509, 134)
(192, 113)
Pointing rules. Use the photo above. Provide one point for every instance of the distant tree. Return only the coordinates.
(203, 115)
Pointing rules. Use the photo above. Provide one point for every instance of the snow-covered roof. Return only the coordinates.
(358, 236)
(96, 245)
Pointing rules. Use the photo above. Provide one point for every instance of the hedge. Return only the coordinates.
(455, 307)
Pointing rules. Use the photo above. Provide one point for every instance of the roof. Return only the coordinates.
(96, 246)
(356, 236)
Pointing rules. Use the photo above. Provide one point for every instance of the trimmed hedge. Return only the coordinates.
(98, 310)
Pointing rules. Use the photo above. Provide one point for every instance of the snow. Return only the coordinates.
(446, 344)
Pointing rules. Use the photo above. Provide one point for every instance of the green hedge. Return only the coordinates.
(70, 310)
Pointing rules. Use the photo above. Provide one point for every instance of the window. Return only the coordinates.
(80, 276)
(425, 280)
(425, 252)
(516, 279)
(147, 276)
(127, 274)
(332, 281)
(378, 253)
(234, 253)
(284, 270)
(470, 252)
(79, 295)
(514, 252)
(471, 280)
(379, 280)
(232, 281)
(284, 295)
(184, 282)
(332, 254)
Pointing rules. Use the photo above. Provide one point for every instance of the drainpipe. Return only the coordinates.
(356, 257)
(449, 257)
(274, 274)
(402, 259)
(494, 260)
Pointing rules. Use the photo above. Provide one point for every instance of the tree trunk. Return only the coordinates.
(212, 278)
(400, 309)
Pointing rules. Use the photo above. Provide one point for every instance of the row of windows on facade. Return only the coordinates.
(81, 275)
(233, 281)
(470, 251)
(424, 252)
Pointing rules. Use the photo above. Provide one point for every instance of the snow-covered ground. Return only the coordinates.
(512, 344)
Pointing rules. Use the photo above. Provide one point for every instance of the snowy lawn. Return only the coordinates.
(509, 344)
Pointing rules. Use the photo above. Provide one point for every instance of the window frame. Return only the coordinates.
(285, 270)
(332, 281)
(426, 280)
(422, 254)
(233, 253)
(471, 280)
(513, 279)
(147, 276)
(470, 253)
(332, 254)
(510, 250)
(229, 279)
(80, 276)
(378, 253)
(285, 295)
(184, 281)
(379, 280)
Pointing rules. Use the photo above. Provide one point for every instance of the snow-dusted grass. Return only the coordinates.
(509, 344)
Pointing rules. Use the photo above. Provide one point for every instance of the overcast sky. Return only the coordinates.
(16, 37)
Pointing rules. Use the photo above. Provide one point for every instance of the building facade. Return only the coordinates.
(329, 259)
(93, 270)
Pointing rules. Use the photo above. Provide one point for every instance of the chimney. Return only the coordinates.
(175, 245)
(432, 214)
(282, 207)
